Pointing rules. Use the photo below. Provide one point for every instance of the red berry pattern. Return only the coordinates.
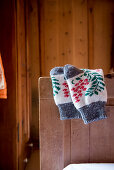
(66, 89)
(78, 89)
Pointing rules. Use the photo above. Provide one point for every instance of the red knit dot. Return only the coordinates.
(64, 89)
(66, 95)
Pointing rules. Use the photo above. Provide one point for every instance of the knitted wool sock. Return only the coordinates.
(62, 95)
(88, 92)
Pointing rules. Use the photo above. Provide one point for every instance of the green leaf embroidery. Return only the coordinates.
(55, 85)
(101, 87)
(96, 92)
(78, 78)
(86, 94)
(97, 81)
(102, 83)
(55, 80)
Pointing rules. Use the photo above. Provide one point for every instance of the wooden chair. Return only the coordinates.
(71, 141)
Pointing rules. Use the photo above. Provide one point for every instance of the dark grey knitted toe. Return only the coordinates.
(56, 71)
(71, 71)
(93, 112)
(68, 111)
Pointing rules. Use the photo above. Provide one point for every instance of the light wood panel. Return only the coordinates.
(103, 30)
(80, 34)
(64, 38)
(76, 32)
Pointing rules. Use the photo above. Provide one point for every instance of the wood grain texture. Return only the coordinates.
(90, 11)
(28, 70)
(63, 28)
(51, 136)
(21, 83)
(103, 11)
(33, 50)
(80, 34)
(67, 142)
(102, 139)
(71, 141)
(79, 142)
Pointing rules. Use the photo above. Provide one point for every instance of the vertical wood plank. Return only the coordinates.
(28, 63)
(49, 35)
(102, 139)
(51, 131)
(80, 34)
(103, 10)
(65, 29)
(90, 34)
(22, 82)
(67, 142)
(64, 34)
(33, 50)
(79, 142)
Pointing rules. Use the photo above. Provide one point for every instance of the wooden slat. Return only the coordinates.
(90, 34)
(102, 139)
(28, 67)
(64, 34)
(33, 51)
(45, 93)
(67, 142)
(79, 142)
(51, 136)
(103, 10)
(109, 85)
(80, 34)
(22, 83)
(49, 35)
(65, 29)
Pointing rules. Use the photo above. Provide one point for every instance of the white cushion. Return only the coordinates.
(91, 166)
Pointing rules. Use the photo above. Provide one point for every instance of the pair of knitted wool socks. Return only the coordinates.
(79, 93)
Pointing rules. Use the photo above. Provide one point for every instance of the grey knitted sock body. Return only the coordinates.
(62, 96)
(88, 92)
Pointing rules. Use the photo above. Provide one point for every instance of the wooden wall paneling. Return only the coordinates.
(103, 11)
(51, 130)
(33, 50)
(65, 29)
(80, 34)
(49, 35)
(64, 34)
(22, 82)
(102, 138)
(90, 23)
(28, 65)
(8, 117)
